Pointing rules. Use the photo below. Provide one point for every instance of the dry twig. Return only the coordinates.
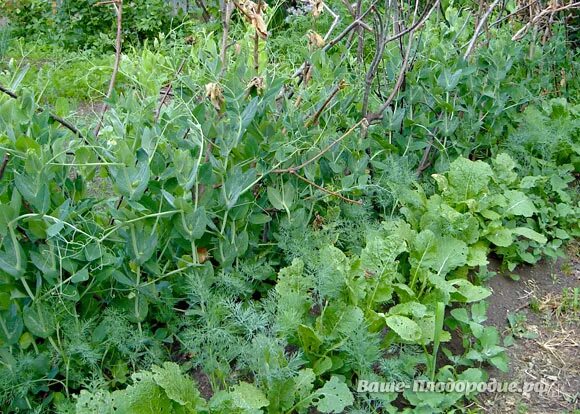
(118, 4)
(52, 116)
(314, 119)
(550, 10)
(324, 151)
(4, 164)
(326, 190)
(358, 22)
(478, 29)
(168, 91)
(404, 66)
(226, 8)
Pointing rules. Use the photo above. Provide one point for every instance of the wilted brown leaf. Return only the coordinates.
(254, 14)
(315, 40)
(214, 92)
(202, 254)
(260, 26)
(257, 82)
(317, 7)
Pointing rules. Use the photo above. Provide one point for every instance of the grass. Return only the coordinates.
(56, 74)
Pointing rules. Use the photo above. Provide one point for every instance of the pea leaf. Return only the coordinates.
(198, 221)
(236, 184)
(282, 199)
(448, 80)
(132, 181)
(34, 190)
(12, 327)
(39, 320)
(80, 276)
(9, 262)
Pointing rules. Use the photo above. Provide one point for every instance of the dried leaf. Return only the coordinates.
(260, 26)
(315, 40)
(202, 254)
(317, 7)
(248, 7)
(254, 14)
(214, 92)
(257, 82)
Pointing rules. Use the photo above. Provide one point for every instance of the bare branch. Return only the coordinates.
(348, 6)
(257, 44)
(204, 13)
(118, 4)
(360, 33)
(52, 116)
(324, 151)
(516, 11)
(4, 164)
(336, 18)
(358, 22)
(168, 91)
(380, 30)
(425, 163)
(314, 119)
(416, 25)
(478, 29)
(549, 10)
(378, 115)
(333, 193)
(404, 66)
(227, 8)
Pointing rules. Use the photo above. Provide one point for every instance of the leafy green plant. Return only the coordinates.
(483, 208)
(517, 328)
(166, 390)
(481, 343)
(85, 23)
(163, 390)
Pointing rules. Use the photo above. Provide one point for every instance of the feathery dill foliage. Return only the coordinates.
(295, 236)
(391, 175)
(400, 363)
(550, 133)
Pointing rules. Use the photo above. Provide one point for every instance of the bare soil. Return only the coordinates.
(547, 346)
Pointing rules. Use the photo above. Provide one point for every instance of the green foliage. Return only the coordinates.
(84, 23)
(163, 390)
(481, 343)
(194, 238)
(549, 133)
(167, 390)
(483, 207)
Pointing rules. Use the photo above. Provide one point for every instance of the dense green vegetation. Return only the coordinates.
(275, 226)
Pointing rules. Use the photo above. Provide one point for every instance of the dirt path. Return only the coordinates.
(541, 311)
